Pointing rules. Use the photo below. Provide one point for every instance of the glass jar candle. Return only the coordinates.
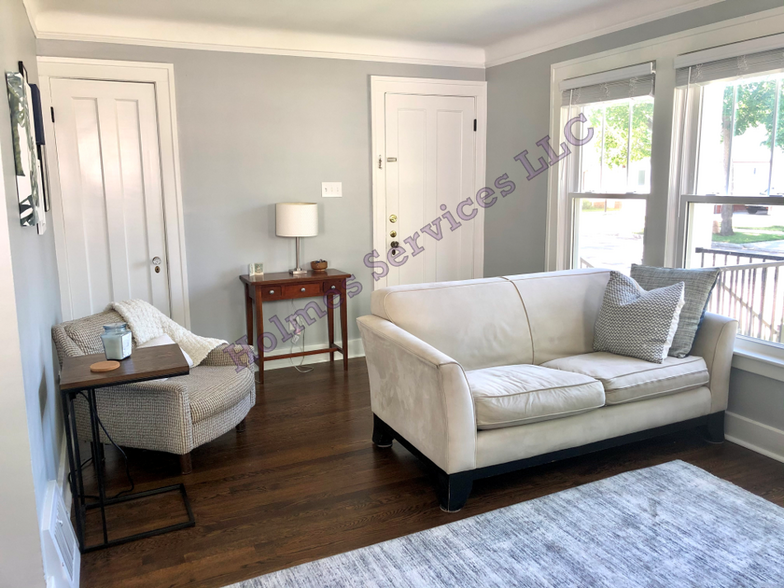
(116, 341)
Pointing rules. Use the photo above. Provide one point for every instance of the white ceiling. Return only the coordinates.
(471, 32)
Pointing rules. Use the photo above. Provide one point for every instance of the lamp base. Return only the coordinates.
(298, 272)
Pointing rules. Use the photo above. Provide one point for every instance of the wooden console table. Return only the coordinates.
(285, 286)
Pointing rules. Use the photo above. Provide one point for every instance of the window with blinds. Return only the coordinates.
(732, 177)
(740, 130)
(609, 179)
(619, 106)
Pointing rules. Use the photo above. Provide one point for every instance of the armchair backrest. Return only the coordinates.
(82, 336)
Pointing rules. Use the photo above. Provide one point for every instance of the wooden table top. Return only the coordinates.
(149, 363)
(285, 277)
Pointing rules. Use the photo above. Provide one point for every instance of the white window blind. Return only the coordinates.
(628, 82)
(736, 66)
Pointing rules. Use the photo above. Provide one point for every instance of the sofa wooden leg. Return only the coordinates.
(240, 428)
(453, 490)
(382, 434)
(185, 464)
(714, 429)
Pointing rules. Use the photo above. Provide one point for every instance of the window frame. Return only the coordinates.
(571, 181)
(672, 166)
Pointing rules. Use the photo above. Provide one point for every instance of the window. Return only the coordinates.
(732, 192)
(607, 182)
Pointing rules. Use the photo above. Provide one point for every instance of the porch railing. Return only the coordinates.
(748, 289)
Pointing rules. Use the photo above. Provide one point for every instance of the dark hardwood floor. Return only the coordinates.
(304, 482)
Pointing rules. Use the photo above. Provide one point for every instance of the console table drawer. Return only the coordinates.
(271, 292)
(333, 286)
(302, 291)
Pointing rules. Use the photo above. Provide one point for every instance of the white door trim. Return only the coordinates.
(381, 85)
(162, 75)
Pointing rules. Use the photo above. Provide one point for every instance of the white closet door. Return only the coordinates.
(430, 169)
(110, 175)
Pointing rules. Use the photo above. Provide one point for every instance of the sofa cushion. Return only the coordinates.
(627, 379)
(519, 394)
(562, 308)
(478, 323)
(698, 286)
(635, 322)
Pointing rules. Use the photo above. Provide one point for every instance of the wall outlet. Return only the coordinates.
(331, 189)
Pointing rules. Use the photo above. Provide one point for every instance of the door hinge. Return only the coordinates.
(474, 125)
(51, 108)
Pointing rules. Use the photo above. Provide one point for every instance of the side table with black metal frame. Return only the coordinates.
(76, 379)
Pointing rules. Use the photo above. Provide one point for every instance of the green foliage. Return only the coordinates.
(755, 106)
(616, 131)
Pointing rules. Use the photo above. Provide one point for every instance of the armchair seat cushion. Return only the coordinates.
(627, 379)
(212, 390)
(520, 394)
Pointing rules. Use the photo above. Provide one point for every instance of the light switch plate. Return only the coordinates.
(331, 189)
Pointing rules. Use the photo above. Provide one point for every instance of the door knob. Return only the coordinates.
(393, 234)
(394, 244)
(156, 260)
(393, 218)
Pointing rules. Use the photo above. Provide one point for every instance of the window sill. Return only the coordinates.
(759, 358)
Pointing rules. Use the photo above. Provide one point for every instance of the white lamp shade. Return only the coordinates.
(296, 219)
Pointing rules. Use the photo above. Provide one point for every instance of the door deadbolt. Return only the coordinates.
(393, 234)
(393, 218)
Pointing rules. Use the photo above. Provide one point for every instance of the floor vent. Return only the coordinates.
(61, 550)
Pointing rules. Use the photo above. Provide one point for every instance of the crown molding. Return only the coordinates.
(541, 41)
(158, 33)
(68, 26)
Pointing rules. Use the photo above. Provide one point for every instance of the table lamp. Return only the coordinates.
(296, 219)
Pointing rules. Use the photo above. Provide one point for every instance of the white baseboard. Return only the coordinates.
(62, 473)
(753, 435)
(355, 349)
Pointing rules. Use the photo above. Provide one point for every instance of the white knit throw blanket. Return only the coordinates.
(147, 322)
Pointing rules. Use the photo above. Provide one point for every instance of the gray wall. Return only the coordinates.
(34, 271)
(259, 129)
(757, 398)
(519, 115)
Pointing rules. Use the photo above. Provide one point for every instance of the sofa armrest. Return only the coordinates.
(715, 343)
(421, 393)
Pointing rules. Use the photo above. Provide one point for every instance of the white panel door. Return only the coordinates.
(110, 178)
(430, 167)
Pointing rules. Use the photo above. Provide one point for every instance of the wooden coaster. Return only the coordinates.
(104, 366)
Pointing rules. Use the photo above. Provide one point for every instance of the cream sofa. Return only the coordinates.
(487, 376)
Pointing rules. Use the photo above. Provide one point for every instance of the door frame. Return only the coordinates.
(379, 87)
(162, 76)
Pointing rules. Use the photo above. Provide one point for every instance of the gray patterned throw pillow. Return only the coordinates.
(637, 323)
(698, 282)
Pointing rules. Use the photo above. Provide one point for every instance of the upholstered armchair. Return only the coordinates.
(174, 415)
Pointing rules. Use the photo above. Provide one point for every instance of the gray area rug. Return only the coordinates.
(669, 525)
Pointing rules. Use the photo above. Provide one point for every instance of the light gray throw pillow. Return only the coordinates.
(698, 282)
(637, 323)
